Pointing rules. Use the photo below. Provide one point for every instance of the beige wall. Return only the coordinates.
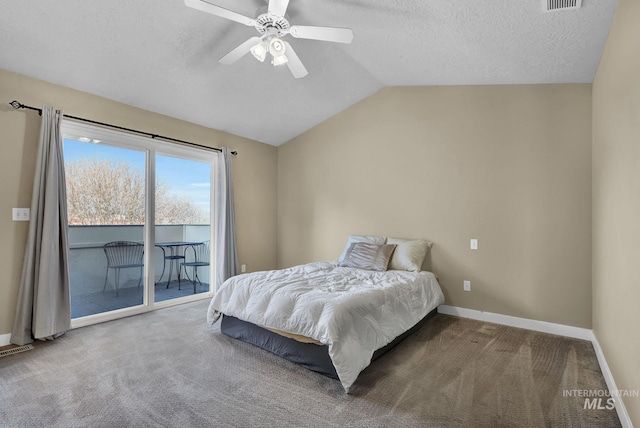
(616, 202)
(255, 176)
(508, 165)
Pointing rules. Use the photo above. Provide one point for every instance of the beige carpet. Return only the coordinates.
(167, 368)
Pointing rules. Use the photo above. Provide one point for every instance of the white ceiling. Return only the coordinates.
(161, 56)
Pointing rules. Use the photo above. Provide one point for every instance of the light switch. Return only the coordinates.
(474, 244)
(21, 214)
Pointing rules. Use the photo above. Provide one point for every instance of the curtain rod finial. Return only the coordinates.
(13, 105)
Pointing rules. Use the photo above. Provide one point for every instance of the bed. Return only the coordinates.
(332, 317)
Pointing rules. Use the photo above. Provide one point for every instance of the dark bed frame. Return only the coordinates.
(310, 355)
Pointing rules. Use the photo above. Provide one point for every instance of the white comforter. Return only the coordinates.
(353, 311)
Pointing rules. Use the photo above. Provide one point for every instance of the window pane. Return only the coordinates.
(183, 227)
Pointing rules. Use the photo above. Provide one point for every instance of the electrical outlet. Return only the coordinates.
(474, 244)
(243, 268)
(467, 286)
(21, 214)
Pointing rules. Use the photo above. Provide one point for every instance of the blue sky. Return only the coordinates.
(184, 177)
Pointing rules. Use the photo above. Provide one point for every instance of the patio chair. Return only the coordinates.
(198, 256)
(123, 255)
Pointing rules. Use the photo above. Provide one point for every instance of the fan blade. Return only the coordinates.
(278, 7)
(295, 65)
(328, 34)
(240, 51)
(220, 11)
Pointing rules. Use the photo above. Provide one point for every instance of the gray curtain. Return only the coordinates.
(43, 310)
(226, 250)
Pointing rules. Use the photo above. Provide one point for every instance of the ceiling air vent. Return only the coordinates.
(555, 5)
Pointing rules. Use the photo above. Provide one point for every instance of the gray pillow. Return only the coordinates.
(377, 240)
(361, 255)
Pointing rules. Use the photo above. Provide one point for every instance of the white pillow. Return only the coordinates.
(376, 240)
(409, 254)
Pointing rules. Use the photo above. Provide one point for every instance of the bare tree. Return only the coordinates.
(102, 191)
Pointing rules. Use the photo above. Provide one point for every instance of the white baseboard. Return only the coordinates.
(5, 339)
(542, 326)
(551, 328)
(611, 383)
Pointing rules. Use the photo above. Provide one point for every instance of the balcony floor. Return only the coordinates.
(95, 303)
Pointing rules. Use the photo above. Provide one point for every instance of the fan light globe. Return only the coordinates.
(279, 60)
(260, 51)
(276, 47)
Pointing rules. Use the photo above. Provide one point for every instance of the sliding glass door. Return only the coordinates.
(106, 212)
(117, 186)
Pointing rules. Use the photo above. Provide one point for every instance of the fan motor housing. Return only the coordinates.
(266, 22)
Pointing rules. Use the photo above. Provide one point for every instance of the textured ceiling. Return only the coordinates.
(161, 56)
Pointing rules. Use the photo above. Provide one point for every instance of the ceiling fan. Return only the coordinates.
(273, 26)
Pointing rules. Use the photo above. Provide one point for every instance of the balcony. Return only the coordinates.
(88, 267)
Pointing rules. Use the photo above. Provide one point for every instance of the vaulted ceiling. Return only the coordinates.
(162, 56)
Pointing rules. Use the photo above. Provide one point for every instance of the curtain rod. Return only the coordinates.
(18, 105)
